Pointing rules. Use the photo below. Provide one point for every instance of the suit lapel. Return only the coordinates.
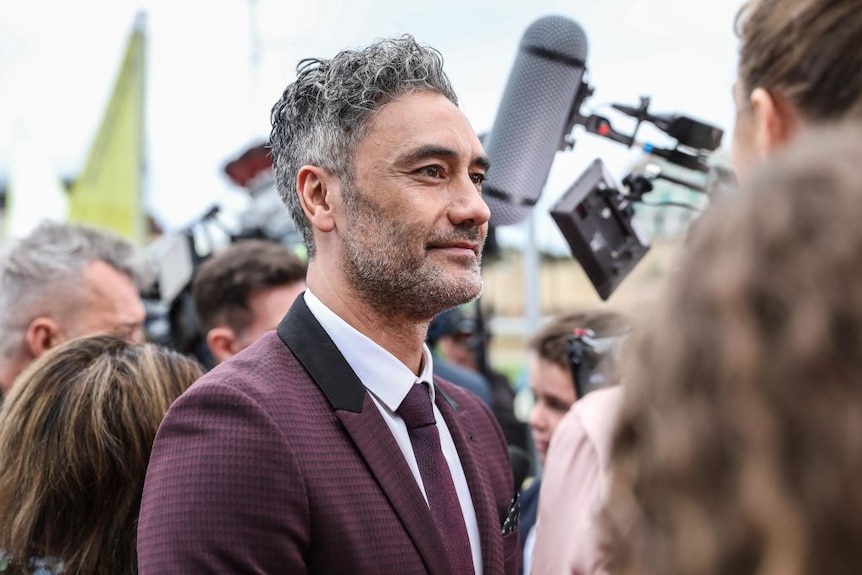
(374, 440)
(460, 427)
(312, 346)
(353, 406)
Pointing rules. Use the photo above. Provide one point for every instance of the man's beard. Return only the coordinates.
(388, 263)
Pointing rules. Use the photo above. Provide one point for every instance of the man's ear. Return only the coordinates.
(222, 343)
(776, 120)
(42, 334)
(315, 187)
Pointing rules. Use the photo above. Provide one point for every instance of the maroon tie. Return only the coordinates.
(418, 414)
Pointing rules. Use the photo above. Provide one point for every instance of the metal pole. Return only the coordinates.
(532, 303)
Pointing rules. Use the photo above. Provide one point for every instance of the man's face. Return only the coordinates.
(414, 225)
(554, 394)
(268, 308)
(456, 348)
(108, 302)
(111, 304)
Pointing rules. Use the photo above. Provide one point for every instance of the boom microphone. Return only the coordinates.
(536, 113)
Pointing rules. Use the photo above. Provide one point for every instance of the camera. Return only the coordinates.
(171, 319)
(597, 220)
(596, 213)
(590, 359)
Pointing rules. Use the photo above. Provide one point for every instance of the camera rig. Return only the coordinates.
(171, 318)
(596, 214)
(591, 359)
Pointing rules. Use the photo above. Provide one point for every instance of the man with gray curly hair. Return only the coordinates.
(64, 281)
(328, 446)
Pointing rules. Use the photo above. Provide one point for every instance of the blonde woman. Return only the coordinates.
(75, 439)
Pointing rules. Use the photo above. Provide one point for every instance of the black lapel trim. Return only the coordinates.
(302, 333)
(437, 389)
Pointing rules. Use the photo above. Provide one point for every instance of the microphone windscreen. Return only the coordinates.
(533, 117)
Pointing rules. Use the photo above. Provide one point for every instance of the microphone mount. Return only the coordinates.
(596, 214)
(696, 140)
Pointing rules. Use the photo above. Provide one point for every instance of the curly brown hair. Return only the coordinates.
(740, 446)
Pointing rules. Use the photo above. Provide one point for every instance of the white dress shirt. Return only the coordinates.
(388, 381)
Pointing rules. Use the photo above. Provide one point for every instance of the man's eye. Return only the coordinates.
(477, 178)
(431, 171)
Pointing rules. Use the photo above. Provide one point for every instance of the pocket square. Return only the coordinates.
(513, 515)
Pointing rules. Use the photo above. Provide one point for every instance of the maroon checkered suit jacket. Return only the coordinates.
(278, 461)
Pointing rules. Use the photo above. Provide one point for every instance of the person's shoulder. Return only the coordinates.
(592, 419)
(472, 381)
(598, 409)
(251, 371)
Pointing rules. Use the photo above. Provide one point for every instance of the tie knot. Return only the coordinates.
(416, 409)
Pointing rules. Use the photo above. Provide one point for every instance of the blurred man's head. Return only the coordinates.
(244, 291)
(63, 281)
(550, 373)
(456, 337)
(799, 66)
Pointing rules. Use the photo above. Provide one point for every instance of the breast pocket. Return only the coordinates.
(512, 553)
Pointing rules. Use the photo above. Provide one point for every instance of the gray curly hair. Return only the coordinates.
(324, 113)
(42, 271)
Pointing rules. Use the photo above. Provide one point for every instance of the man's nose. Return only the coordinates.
(468, 206)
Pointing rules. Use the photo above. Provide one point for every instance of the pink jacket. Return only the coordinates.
(574, 532)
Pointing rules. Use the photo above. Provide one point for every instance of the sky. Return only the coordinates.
(216, 68)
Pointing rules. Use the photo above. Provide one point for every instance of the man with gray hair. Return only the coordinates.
(327, 446)
(64, 281)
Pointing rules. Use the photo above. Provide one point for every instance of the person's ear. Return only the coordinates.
(222, 343)
(316, 187)
(776, 120)
(42, 334)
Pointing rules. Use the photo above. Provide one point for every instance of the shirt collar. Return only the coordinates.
(379, 371)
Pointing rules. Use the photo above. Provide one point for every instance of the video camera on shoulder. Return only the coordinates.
(591, 360)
